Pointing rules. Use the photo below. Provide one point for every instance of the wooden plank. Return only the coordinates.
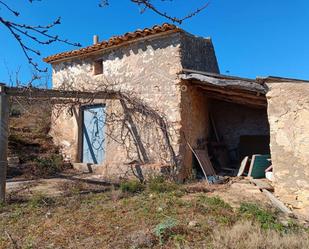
(203, 156)
(4, 121)
(277, 203)
(262, 184)
(243, 165)
(251, 165)
(199, 161)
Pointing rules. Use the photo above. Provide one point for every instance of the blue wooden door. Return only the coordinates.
(93, 134)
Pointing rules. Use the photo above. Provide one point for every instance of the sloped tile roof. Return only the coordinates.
(113, 41)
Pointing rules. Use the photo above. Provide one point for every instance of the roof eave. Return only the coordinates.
(64, 57)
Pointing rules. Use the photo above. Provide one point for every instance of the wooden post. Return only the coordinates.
(4, 118)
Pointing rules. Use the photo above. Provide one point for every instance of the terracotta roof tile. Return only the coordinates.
(113, 41)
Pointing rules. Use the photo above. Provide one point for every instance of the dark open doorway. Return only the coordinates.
(236, 131)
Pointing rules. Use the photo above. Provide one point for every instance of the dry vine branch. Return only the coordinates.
(40, 34)
(148, 4)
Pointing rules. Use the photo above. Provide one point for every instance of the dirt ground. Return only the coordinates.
(61, 185)
(233, 192)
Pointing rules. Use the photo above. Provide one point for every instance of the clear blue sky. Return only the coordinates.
(251, 38)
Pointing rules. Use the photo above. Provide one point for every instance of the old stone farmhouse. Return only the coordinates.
(174, 97)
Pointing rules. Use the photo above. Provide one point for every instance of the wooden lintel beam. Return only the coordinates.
(243, 102)
(234, 92)
(259, 103)
(53, 93)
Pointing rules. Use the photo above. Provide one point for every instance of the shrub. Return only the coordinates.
(215, 202)
(267, 219)
(39, 200)
(158, 184)
(49, 165)
(216, 208)
(164, 229)
(132, 186)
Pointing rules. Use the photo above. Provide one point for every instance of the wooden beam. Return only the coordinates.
(54, 93)
(235, 83)
(244, 99)
(233, 92)
(277, 203)
(262, 184)
(4, 120)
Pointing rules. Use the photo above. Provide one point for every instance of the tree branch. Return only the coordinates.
(147, 4)
(36, 33)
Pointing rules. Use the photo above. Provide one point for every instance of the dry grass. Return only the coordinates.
(246, 235)
(145, 220)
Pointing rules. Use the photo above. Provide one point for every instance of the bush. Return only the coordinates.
(132, 186)
(164, 229)
(158, 184)
(39, 200)
(214, 202)
(267, 219)
(216, 208)
(49, 165)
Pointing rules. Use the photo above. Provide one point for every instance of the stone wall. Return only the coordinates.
(288, 112)
(198, 53)
(65, 133)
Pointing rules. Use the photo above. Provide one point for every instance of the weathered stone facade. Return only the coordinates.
(288, 113)
(146, 70)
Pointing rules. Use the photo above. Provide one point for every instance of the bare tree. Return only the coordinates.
(25, 33)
